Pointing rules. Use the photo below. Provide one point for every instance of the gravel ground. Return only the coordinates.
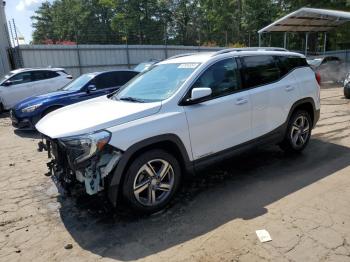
(303, 201)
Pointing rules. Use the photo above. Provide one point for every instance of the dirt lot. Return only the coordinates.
(303, 201)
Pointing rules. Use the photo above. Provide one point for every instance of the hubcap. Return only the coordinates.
(300, 131)
(154, 182)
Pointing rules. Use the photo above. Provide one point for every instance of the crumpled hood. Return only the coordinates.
(93, 115)
(42, 98)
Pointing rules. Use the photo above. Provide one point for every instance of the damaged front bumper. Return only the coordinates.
(92, 173)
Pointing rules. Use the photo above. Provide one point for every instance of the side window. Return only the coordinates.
(105, 80)
(52, 74)
(222, 78)
(22, 78)
(43, 75)
(39, 75)
(289, 63)
(124, 77)
(259, 70)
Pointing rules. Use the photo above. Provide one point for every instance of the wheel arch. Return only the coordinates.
(308, 105)
(49, 108)
(168, 142)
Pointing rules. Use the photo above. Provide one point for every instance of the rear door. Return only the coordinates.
(46, 81)
(22, 87)
(272, 92)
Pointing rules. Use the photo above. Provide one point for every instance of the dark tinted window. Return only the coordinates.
(124, 76)
(259, 70)
(42, 75)
(22, 78)
(113, 79)
(289, 63)
(52, 74)
(105, 80)
(222, 78)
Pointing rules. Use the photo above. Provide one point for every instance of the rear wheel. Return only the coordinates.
(1, 108)
(298, 132)
(151, 181)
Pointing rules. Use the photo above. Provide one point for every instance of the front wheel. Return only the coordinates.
(151, 181)
(298, 132)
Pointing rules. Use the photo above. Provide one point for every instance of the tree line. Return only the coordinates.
(179, 22)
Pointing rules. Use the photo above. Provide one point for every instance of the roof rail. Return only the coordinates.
(181, 55)
(229, 50)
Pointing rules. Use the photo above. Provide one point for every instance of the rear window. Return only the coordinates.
(259, 70)
(289, 63)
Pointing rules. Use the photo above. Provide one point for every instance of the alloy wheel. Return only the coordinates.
(300, 131)
(154, 182)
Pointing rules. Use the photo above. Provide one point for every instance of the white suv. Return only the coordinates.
(26, 82)
(181, 115)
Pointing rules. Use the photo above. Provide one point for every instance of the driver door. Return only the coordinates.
(224, 119)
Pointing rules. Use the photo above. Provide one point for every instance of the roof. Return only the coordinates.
(204, 57)
(309, 20)
(40, 68)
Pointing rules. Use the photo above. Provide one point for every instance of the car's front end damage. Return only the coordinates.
(86, 159)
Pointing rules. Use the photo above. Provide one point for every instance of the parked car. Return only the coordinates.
(331, 68)
(347, 86)
(145, 65)
(28, 112)
(23, 83)
(180, 116)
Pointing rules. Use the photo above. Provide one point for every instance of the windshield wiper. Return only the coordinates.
(131, 99)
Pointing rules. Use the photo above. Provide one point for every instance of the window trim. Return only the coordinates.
(183, 101)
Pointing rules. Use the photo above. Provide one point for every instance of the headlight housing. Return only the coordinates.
(81, 148)
(30, 109)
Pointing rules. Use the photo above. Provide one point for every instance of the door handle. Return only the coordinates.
(289, 88)
(241, 101)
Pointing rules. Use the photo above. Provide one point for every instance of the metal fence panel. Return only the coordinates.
(90, 58)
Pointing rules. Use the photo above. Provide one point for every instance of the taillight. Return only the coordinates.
(318, 77)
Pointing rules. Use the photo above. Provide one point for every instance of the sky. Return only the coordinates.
(21, 11)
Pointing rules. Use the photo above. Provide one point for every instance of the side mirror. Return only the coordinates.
(7, 83)
(91, 88)
(198, 94)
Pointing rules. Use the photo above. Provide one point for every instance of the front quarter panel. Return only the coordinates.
(163, 123)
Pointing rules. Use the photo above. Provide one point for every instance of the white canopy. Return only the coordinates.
(308, 20)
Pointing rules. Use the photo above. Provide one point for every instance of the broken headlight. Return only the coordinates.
(82, 147)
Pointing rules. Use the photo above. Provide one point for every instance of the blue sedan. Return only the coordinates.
(29, 111)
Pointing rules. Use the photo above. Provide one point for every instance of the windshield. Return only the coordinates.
(78, 83)
(156, 84)
(314, 62)
(143, 66)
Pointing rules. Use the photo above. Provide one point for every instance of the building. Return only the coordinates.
(4, 42)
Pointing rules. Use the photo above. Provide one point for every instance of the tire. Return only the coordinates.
(347, 91)
(298, 132)
(145, 188)
(1, 108)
